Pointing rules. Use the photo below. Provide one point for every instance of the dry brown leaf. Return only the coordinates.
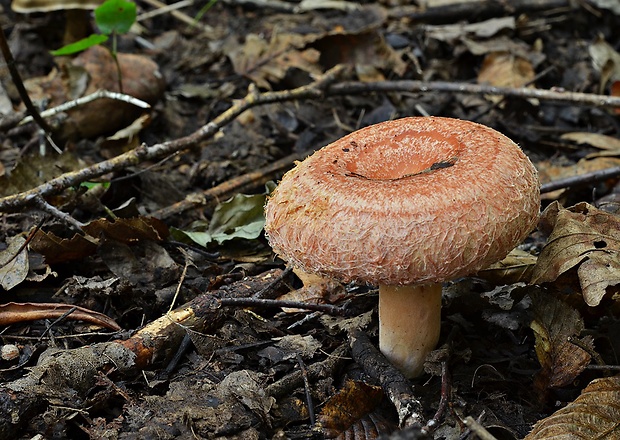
(606, 61)
(59, 250)
(517, 267)
(13, 263)
(349, 412)
(266, 62)
(503, 69)
(12, 313)
(595, 414)
(129, 230)
(554, 323)
(581, 235)
(596, 140)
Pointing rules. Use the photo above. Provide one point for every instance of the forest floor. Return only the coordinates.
(138, 286)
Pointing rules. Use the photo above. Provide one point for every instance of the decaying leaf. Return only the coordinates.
(515, 268)
(606, 61)
(505, 70)
(143, 264)
(289, 347)
(129, 230)
(581, 236)
(13, 263)
(554, 323)
(607, 144)
(484, 29)
(266, 62)
(126, 230)
(595, 414)
(350, 412)
(59, 250)
(34, 170)
(12, 313)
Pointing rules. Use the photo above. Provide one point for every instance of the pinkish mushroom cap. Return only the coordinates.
(413, 201)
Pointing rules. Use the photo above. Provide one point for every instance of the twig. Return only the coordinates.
(321, 87)
(86, 99)
(319, 370)
(396, 387)
(478, 429)
(52, 210)
(582, 179)
(259, 302)
(144, 152)
(227, 189)
(180, 16)
(446, 388)
(19, 84)
(304, 376)
(164, 10)
(353, 87)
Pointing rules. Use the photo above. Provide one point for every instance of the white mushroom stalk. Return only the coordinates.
(406, 205)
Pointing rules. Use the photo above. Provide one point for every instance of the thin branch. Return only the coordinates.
(580, 180)
(19, 84)
(86, 99)
(353, 87)
(157, 151)
(320, 88)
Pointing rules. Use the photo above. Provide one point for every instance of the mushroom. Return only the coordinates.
(77, 19)
(406, 205)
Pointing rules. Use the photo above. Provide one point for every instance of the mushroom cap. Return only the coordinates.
(27, 6)
(409, 201)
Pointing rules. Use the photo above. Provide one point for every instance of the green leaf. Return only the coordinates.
(238, 217)
(115, 16)
(80, 45)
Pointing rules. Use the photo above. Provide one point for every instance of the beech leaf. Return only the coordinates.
(595, 414)
(554, 323)
(582, 236)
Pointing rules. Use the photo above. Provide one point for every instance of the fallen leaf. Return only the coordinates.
(606, 61)
(554, 323)
(516, 267)
(129, 230)
(503, 69)
(12, 313)
(143, 264)
(267, 62)
(241, 216)
(596, 140)
(452, 33)
(59, 250)
(349, 412)
(13, 262)
(595, 414)
(581, 236)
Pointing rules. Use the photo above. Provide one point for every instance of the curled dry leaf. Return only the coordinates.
(554, 323)
(595, 414)
(12, 313)
(349, 413)
(581, 236)
(125, 230)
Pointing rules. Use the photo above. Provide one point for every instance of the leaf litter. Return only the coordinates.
(519, 338)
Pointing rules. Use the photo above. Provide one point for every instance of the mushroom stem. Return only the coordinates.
(409, 324)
